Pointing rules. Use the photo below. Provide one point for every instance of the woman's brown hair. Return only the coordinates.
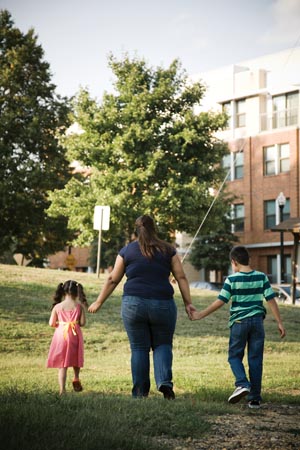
(147, 237)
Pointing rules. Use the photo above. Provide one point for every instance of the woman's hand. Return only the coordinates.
(190, 309)
(93, 308)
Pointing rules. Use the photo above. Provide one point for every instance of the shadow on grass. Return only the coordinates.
(93, 421)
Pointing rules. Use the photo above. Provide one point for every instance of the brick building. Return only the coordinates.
(261, 97)
(72, 258)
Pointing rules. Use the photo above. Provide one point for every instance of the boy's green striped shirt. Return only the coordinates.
(247, 291)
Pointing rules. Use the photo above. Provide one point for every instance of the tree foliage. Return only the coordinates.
(32, 160)
(211, 248)
(147, 150)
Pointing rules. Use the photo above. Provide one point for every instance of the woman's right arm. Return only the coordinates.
(110, 284)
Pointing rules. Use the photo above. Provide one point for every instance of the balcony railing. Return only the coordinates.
(279, 119)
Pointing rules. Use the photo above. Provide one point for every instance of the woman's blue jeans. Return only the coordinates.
(248, 333)
(150, 324)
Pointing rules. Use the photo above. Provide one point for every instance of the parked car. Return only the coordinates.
(206, 285)
(283, 293)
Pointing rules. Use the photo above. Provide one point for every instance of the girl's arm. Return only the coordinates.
(53, 318)
(110, 284)
(82, 320)
(180, 277)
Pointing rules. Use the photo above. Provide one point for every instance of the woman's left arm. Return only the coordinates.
(180, 277)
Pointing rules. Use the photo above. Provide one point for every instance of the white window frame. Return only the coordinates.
(234, 217)
(232, 165)
(277, 159)
(240, 113)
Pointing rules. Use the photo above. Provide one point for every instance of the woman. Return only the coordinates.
(148, 309)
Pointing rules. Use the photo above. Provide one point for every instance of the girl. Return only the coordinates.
(68, 316)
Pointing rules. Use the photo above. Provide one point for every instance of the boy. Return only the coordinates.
(246, 288)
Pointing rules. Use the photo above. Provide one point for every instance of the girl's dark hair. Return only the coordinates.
(72, 288)
(147, 237)
(240, 255)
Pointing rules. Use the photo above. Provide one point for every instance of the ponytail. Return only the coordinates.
(58, 295)
(82, 296)
(72, 288)
(148, 240)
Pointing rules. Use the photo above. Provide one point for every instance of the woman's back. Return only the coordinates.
(147, 277)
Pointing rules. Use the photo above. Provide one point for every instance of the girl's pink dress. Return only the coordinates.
(66, 348)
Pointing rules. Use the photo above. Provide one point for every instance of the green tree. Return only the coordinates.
(211, 248)
(32, 160)
(147, 149)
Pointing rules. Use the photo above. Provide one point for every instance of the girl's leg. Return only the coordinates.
(76, 373)
(62, 377)
(77, 386)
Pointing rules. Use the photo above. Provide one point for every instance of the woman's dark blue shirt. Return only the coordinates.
(147, 277)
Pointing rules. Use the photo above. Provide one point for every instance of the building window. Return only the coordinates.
(238, 217)
(276, 159)
(240, 113)
(272, 269)
(234, 162)
(286, 210)
(226, 162)
(226, 108)
(288, 268)
(238, 165)
(285, 109)
(272, 213)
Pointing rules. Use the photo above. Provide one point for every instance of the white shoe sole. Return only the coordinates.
(235, 398)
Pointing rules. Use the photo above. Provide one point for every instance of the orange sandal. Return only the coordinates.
(77, 386)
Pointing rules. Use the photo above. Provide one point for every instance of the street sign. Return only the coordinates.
(21, 260)
(101, 222)
(70, 262)
(101, 217)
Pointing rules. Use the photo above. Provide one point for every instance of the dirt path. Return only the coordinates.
(272, 427)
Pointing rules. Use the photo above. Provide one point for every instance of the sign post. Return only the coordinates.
(101, 222)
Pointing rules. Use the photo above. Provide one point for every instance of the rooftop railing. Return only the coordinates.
(279, 119)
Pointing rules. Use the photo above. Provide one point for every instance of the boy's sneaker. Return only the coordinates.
(254, 404)
(239, 393)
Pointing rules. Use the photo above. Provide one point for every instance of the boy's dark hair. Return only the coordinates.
(240, 255)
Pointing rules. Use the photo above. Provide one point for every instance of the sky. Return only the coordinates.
(78, 35)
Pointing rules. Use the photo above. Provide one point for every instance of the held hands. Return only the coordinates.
(197, 315)
(192, 312)
(190, 308)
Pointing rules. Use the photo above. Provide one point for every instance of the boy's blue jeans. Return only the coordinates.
(149, 323)
(247, 333)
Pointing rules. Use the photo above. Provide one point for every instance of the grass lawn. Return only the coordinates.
(104, 416)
